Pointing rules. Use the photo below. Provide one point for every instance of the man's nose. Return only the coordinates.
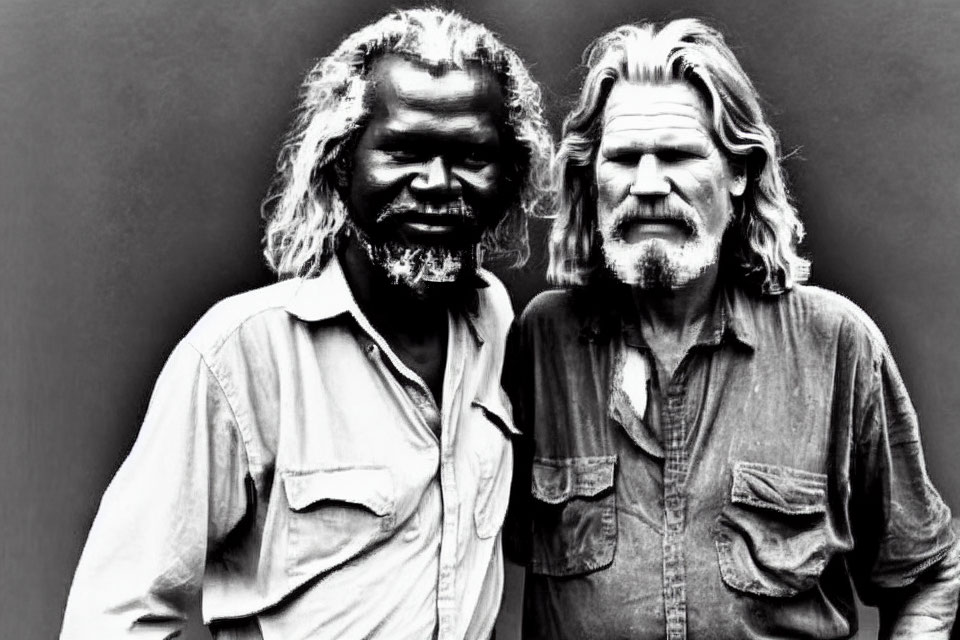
(435, 180)
(649, 179)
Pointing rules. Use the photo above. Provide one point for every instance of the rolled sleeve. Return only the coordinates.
(907, 547)
(179, 492)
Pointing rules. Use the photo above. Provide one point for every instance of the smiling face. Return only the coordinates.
(426, 172)
(664, 188)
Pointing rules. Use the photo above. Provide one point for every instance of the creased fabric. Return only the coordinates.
(289, 468)
(778, 470)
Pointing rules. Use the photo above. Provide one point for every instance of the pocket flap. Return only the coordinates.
(370, 487)
(782, 489)
(556, 480)
(498, 415)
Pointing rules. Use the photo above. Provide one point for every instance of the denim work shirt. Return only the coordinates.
(293, 468)
(743, 498)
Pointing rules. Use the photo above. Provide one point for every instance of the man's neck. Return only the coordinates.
(413, 326)
(391, 309)
(671, 319)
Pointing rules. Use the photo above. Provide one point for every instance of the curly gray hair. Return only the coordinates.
(303, 210)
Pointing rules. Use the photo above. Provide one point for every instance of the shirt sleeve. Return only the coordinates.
(517, 382)
(906, 550)
(179, 492)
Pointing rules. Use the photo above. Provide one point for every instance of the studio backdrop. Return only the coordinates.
(137, 138)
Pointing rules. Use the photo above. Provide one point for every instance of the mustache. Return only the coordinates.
(634, 210)
(404, 211)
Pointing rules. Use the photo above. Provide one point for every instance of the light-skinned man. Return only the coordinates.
(718, 450)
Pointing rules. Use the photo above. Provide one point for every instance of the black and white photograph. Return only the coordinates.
(489, 320)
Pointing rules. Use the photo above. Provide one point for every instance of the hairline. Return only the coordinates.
(770, 239)
(304, 222)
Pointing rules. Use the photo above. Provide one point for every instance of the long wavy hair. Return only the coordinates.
(760, 247)
(303, 209)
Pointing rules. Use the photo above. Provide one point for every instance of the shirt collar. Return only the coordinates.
(739, 320)
(328, 295)
(608, 309)
(731, 319)
(324, 296)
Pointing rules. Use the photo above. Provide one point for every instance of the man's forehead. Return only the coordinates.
(642, 107)
(400, 82)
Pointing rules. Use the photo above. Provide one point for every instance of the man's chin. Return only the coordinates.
(423, 271)
(654, 265)
(447, 293)
(429, 273)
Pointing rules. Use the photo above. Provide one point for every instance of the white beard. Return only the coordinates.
(417, 267)
(419, 264)
(658, 263)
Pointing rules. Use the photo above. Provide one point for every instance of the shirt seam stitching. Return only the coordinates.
(244, 436)
(217, 344)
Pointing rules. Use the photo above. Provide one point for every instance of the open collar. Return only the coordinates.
(328, 295)
(608, 309)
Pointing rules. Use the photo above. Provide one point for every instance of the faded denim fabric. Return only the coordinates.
(779, 468)
(290, 466)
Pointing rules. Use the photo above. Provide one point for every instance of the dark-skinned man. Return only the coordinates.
(330, 456)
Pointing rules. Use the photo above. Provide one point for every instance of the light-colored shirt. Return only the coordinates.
(287, 468)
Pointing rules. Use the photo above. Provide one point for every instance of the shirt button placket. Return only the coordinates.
(446, 589)
(674, 501)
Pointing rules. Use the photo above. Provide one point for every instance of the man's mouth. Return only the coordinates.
(413, 265)
(397, 211)
(637, 228)
(426, 224)
(433, 224)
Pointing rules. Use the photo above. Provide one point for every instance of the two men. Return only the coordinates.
(330, 456)
(717, 450)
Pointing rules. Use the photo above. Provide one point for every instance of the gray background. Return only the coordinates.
(137, 138)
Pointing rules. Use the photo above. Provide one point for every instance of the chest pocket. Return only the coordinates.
(574, 519)
(771, 536)
(335, 514)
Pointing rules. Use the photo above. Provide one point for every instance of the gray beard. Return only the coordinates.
(653, 264)
(656, 270)
(418, 267)
(656, 263)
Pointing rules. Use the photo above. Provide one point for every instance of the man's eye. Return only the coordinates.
(675, 155)
(475, 159)
(404, 155)
(627, 159)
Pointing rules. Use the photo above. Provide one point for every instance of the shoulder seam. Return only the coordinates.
(226, 335)
(244, 437)
(219, 337)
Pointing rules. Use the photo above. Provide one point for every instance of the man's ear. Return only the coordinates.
(738, 184)
(342, 164)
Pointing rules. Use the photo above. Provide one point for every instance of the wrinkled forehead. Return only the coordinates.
(399, 82)
(674, 108)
